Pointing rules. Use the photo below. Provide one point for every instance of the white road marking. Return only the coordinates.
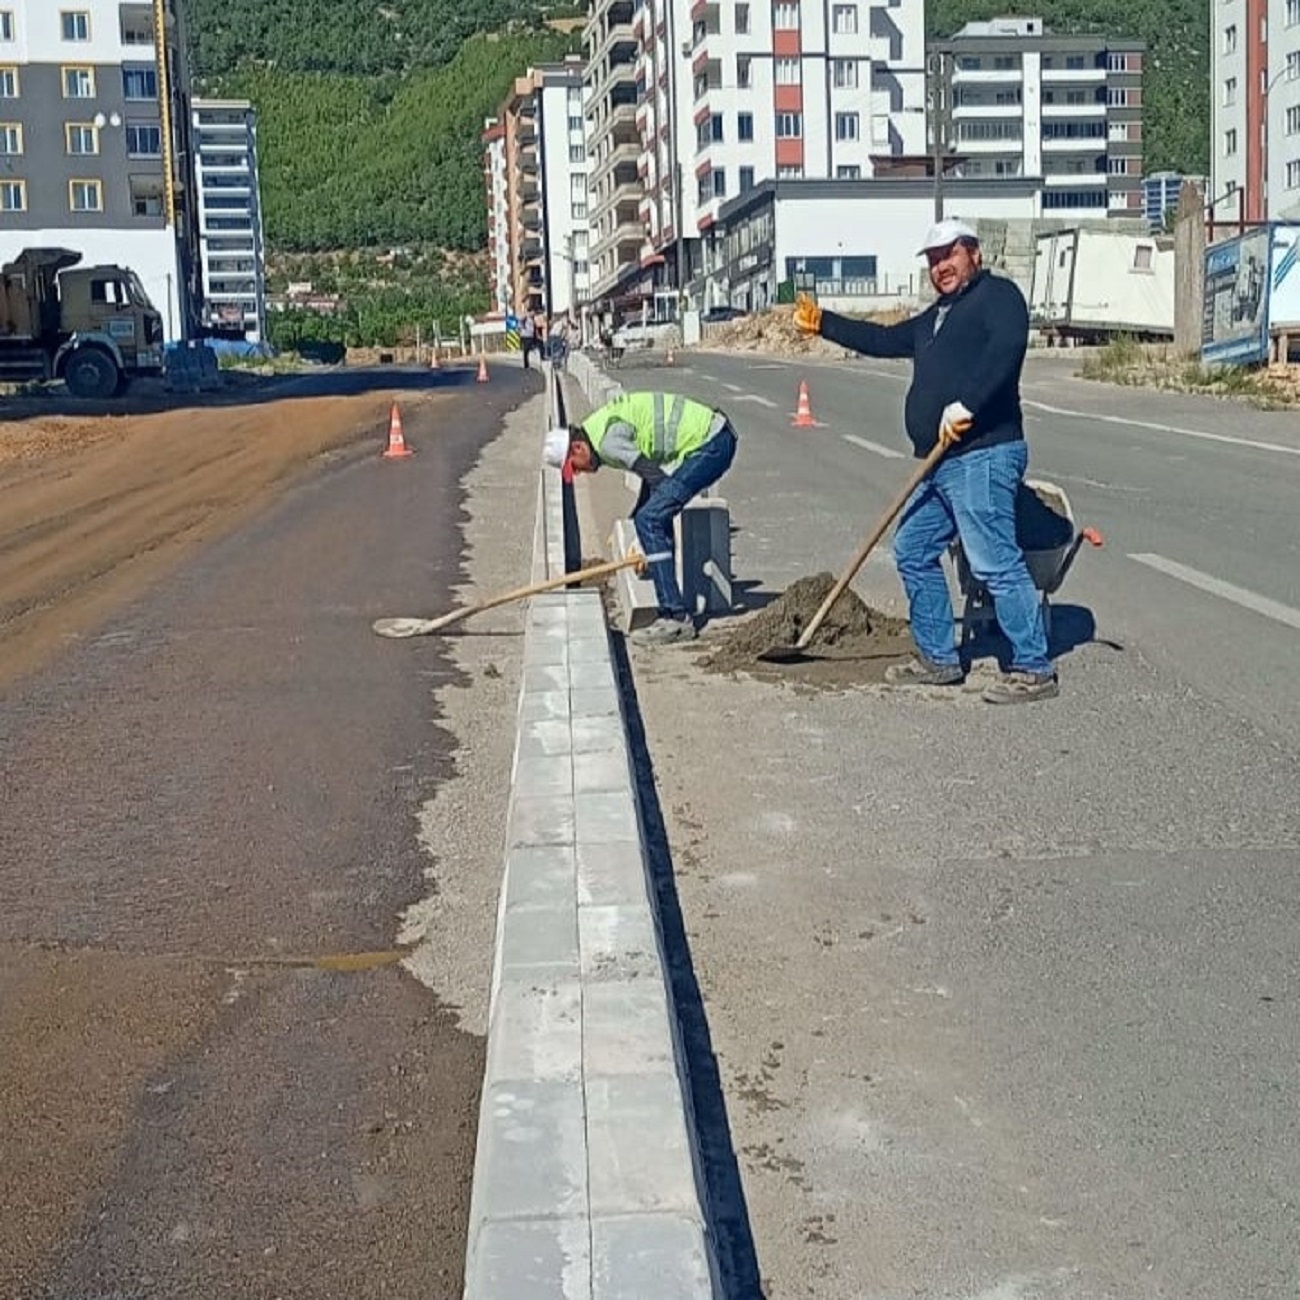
(770, 365)
(867, 445)
(1165, 428)
(1250, 600)
(733, 388)
(754, 397)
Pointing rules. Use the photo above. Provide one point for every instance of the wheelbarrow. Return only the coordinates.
(1050, 539)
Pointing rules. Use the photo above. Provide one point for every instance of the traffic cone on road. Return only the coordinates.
(482, 368)
(397, 447)
(803, 416)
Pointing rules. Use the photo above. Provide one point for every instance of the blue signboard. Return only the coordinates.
(1234, 327)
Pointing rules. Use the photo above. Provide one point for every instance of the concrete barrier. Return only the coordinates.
(586, 1180)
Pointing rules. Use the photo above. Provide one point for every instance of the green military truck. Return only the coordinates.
(93, 327)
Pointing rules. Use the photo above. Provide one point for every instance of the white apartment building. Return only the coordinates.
(232, 245)
(535, 175)
(1014, 100)
(1255, 106)
(92, 140)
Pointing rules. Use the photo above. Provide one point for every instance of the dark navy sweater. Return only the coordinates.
(974, 357)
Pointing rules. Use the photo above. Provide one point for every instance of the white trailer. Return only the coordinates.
(1090, 285)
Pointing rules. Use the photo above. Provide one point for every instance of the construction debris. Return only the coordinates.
(775, 332)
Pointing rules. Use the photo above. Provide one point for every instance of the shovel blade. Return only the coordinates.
(783, 654)
(403, 627)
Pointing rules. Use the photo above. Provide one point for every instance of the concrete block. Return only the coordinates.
(593, 676)
(545, 738)
(607, 818)
(618, 942)
(611, 875)
(537, 1032)
(639, 1155)
(597, 735)
(594, 702)
(703, 534)
(586, 616)
(531, 1161)
(534, 1259)
(545, 706)
(600, 773)
(545, 819)
(649, 1257)
(626, 1029)
(546, 650)
(588, 649)
(539, 943)
(541, 875)
(545, 677)
(637, 606)
(536, 778)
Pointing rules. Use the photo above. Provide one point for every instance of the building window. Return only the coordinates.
(1292, 12)
(78, 83)
(789, 126)
(576, 125)
(1293, 174)
(1293, 65)
(789, 173)
(137, 26)
(845, 73)
(785, 16)
(744, 72)
(846, 126)
(1123, 97)
(844, 20)
(144, 141)
(1293, 120)
(1142, 257)
(147, 198)
(742, 20)
(1009, 63)
(1230, 142)
(13, 196)
(86, 196)
(787, 72)
(6, 25)
(715, 128)
(8, 83)
(140, 83)
(720, 183)
(75, 24)
(744, 126)
(850, 173)
(1229, 92)
(1230, 39)
(81, 138)
(577, 154)
(746, 179)
(11, 139)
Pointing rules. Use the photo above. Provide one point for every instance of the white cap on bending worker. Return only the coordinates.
(555, 449)
(944, 234)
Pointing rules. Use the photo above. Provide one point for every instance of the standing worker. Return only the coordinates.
(967, 350)
(527, 336)
(677, 447)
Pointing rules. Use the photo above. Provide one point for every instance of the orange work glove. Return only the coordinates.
(807, 315)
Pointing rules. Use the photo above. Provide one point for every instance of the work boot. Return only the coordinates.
(1021, 688)
(666, 631)
(921, 672)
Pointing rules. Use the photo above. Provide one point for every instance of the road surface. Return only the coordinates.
(218, 785)
(1006, 1002)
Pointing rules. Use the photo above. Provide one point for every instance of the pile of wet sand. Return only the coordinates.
(855, 643)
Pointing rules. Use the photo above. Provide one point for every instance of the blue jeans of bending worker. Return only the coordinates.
(971, 496)
(659, 506)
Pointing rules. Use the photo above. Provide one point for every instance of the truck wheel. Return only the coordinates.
(91, 373)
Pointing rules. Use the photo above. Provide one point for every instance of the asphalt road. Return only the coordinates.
(216, 1080)
(1007, 1002)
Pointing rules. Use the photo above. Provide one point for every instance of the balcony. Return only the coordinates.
(1088, 76)
(1076, 180)
(1055, 112)
(1075, 144)
(622, 160)
(985, 76)
(966, 111)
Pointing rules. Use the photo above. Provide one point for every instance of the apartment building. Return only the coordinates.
(232, 247)
(535, 170)
(1012, 99)
(93, 117)
(1255, 110)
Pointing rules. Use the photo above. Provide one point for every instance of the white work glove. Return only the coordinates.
(956, 420)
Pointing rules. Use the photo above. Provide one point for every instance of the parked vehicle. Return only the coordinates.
(1093, 284)
(717, 315)
(93, 327)
(646, 334)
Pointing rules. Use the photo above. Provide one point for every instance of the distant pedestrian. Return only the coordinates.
(527, 337)
(967, 350)
(677, 447)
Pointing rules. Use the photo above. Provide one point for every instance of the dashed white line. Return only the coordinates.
(1247, 599)
(867, 445)
(733, 388)
(754, 397)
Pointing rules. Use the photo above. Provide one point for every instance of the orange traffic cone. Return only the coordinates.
(396, 438)
(482, 368)
(803, 416)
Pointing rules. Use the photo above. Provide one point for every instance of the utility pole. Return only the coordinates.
(937, 69)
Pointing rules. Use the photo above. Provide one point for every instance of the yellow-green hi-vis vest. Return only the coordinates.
(665, 428)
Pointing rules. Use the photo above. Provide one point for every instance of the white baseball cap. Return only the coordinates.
(944, 234)
(555, 449)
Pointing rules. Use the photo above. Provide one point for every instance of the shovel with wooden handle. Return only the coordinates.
(404, 627)
(785, 654)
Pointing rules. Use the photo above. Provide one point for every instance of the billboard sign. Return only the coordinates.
(1252, 288)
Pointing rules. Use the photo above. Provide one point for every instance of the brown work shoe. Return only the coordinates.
(1021, 688)
(921, 672)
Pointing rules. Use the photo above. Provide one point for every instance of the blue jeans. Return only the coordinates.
(971, 496)
(659, 506)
